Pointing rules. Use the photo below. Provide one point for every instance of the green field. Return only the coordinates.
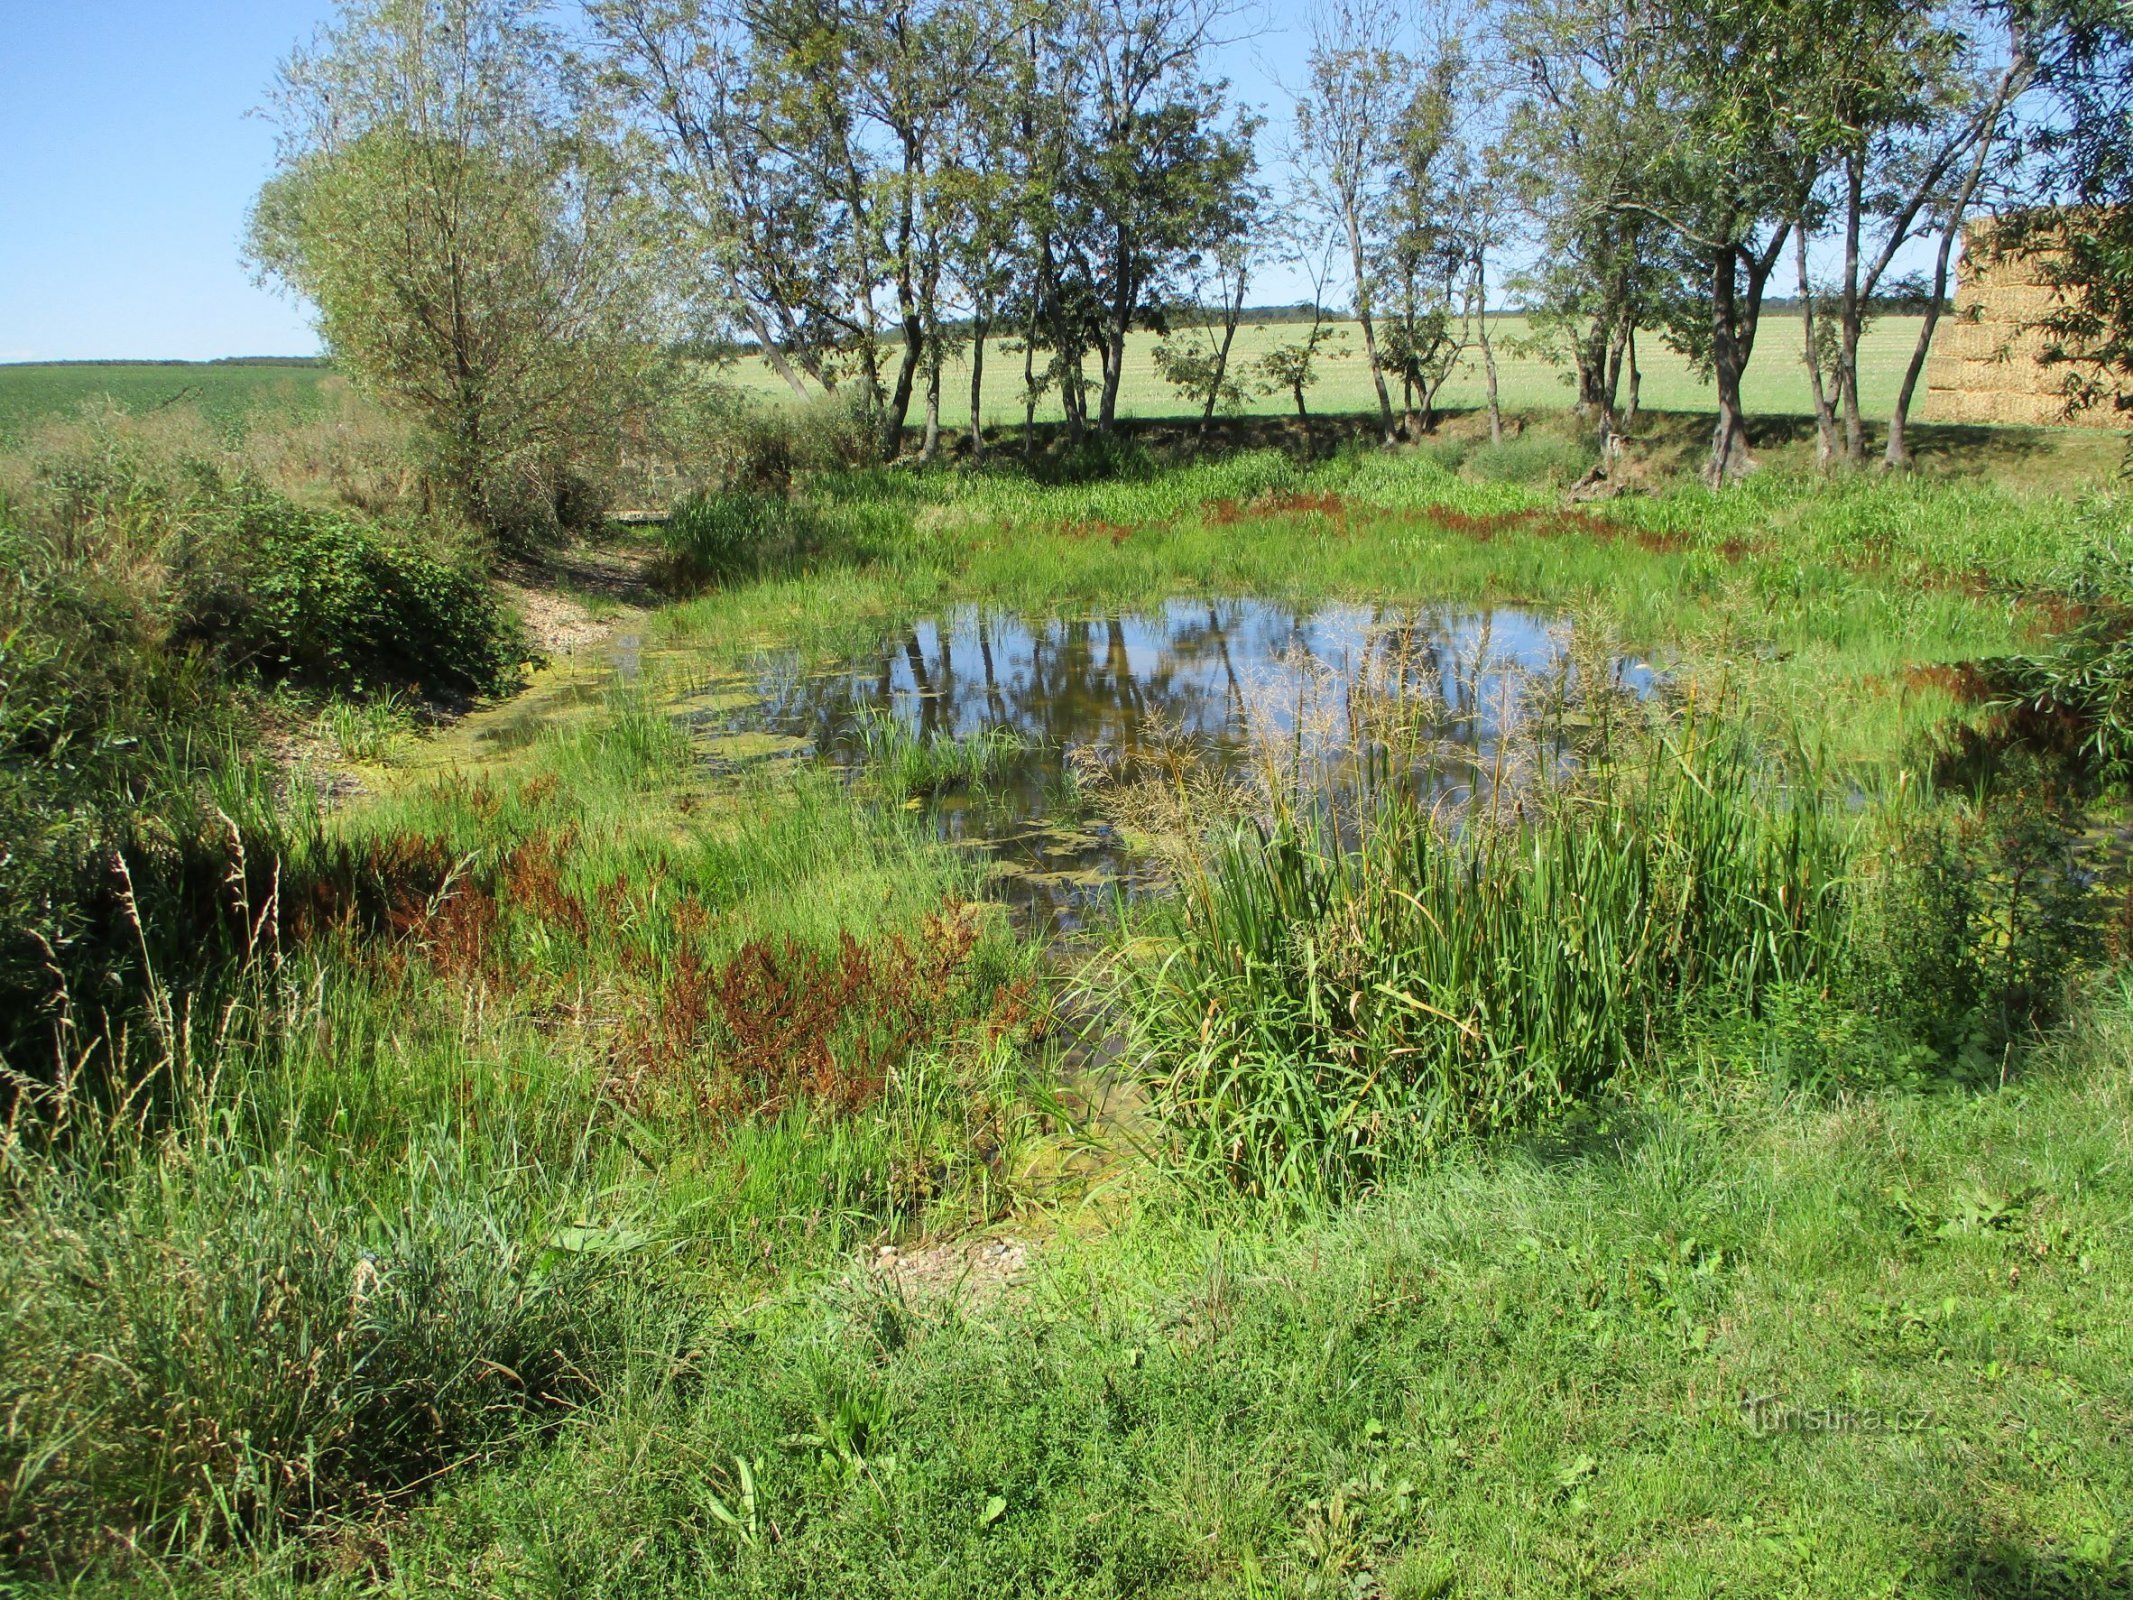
(230, 394)
(1776, 382)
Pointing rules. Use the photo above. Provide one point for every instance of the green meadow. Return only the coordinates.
(598, 1137)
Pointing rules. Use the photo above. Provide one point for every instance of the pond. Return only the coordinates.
(1218, 695)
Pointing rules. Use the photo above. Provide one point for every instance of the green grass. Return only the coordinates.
(1519, 1374)
(908, 763)
(505, 1221)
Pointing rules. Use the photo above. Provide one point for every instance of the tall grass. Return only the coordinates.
(208, 1333)
(906, 761)
(1321, 1008)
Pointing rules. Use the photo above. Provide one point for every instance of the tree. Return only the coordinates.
(1724, 190)
(1291, 367)
(800, 144)
(1194, 358)
(1348, 127)
(1424, 265)
(1580, 134)
(1156, 176)
(472, 250)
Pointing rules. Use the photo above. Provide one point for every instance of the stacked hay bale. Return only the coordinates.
(1987, 362)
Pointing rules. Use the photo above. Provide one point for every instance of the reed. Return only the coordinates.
(1324, 1006)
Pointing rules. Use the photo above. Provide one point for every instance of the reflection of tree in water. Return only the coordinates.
(1117, 680)
(1421, 691)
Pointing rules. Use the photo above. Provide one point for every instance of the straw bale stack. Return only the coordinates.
(1986, 363)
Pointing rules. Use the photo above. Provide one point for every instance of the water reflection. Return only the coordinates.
(1229, 679)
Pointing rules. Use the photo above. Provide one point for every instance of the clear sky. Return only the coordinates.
(127, 160)
(128, 157)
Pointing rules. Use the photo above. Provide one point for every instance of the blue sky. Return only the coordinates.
(126, 163)
(128, 158)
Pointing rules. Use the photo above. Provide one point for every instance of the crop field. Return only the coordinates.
(229, 394)
(1776, 382)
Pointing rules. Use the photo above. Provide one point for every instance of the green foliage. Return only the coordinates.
(1983, 913)
(732, 535)
(329, 600)
(208, 1333)
(142, 599)
(1199, 372)
(1293, 367)
(1321, 1010)
(909, 762)
(471, 249)
(1539, 457)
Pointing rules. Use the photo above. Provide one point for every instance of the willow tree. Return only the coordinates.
(472, 254)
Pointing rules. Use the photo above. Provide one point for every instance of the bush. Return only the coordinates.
(329, 601)
(137, 594)
(1977, 919)
(1533, 457)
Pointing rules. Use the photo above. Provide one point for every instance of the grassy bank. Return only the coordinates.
(606, 1155)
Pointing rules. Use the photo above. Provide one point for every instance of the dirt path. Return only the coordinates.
(577, 596)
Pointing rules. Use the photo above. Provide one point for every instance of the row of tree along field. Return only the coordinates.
(236, 397)
(1527, 379)
(507, 223)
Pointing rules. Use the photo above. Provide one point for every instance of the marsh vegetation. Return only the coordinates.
(1431, 995)
(610, 988)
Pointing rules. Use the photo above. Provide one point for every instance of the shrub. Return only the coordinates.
(327, 600)
(1533, 457)
(1978, 917)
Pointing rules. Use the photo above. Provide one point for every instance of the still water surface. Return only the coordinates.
(1224, 681)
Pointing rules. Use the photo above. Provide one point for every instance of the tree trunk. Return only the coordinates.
(1363, 316)
(1730, 458)
(1851, 314)
(769, 346)
(1636, 382)
(1488, 357)
(977, 388)
(1898, 454)
(898, 406)
(1113, 357)
(1735, 316)
(1825, 419)
(1214, 389)
(931, 447)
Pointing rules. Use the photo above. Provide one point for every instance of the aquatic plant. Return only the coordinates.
(1317, 1008)
(909, 761)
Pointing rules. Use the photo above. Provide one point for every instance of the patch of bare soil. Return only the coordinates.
(577, 596)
